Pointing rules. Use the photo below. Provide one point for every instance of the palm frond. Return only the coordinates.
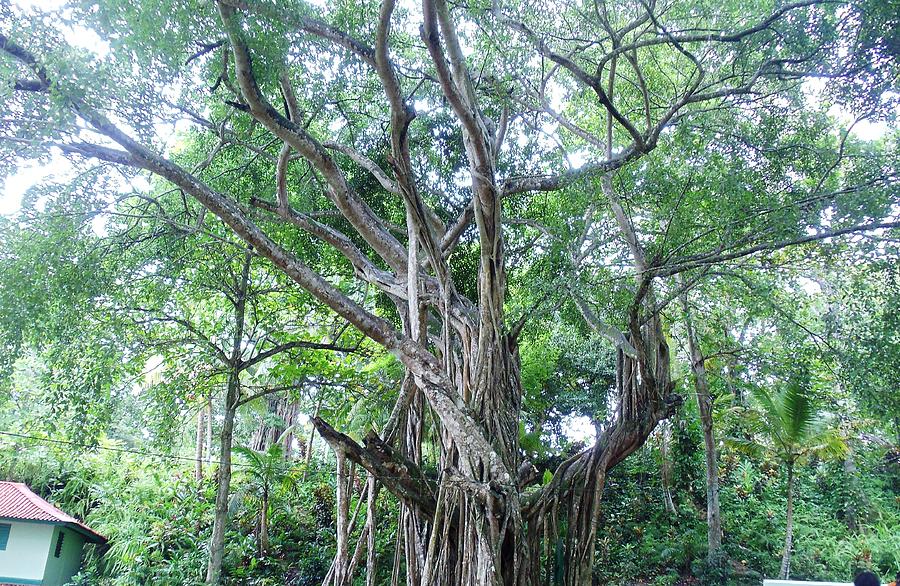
(771, 416)
(799, 412)
(792, 420)
(748, 447)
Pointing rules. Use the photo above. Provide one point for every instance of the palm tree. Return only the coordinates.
(794, 429)
(264, 471)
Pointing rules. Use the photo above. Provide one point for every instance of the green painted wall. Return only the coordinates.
(59, 570)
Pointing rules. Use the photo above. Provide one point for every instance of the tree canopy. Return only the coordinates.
(445, 232)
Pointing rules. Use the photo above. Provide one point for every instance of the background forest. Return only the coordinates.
(605, 293)
(120, 473)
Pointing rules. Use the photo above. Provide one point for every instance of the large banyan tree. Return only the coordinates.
(414, 141)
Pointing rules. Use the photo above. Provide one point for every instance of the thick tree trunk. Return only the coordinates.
(789, 525)
(480, 537)
(473, 528)
(284, 411)
(704, 406)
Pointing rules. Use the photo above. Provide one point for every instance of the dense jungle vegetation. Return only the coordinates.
(507, 293)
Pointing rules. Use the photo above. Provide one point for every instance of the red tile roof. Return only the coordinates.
(18, 502)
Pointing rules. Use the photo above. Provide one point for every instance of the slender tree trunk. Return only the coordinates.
(209, 431)
(217, 541)
(704, 406)
(789, 525)
(370, 534)
(198, 464)
(414, 526)
(350, 567)
(395, 569)
(666, 469)
(264, 525)
(309, 444)
(342, 555)
(232, 402)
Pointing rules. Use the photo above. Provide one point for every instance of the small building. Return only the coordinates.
(39, 544)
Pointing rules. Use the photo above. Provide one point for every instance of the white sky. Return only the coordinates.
(578, 428)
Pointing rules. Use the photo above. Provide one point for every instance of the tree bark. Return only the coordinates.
(704, 406)
(264, 524)
(789, 525)
(285, 411)
(232, 402)
(370, 530)
(342, 555)
(209, 430)
(198, 454)
(666, 469)
(217, 541)
(312, 438)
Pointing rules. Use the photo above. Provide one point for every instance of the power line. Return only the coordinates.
(111, 449)
(87, 447)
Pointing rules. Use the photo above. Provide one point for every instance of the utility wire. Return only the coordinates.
(87, 447)
(111, 449)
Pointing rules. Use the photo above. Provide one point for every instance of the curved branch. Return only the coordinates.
(367, 164)
(306, 345)
(399, 475)
(307, 25)
(700, 260)
(612, 334)
(357, 212)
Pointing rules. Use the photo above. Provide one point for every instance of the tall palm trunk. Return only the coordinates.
(789, 528)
